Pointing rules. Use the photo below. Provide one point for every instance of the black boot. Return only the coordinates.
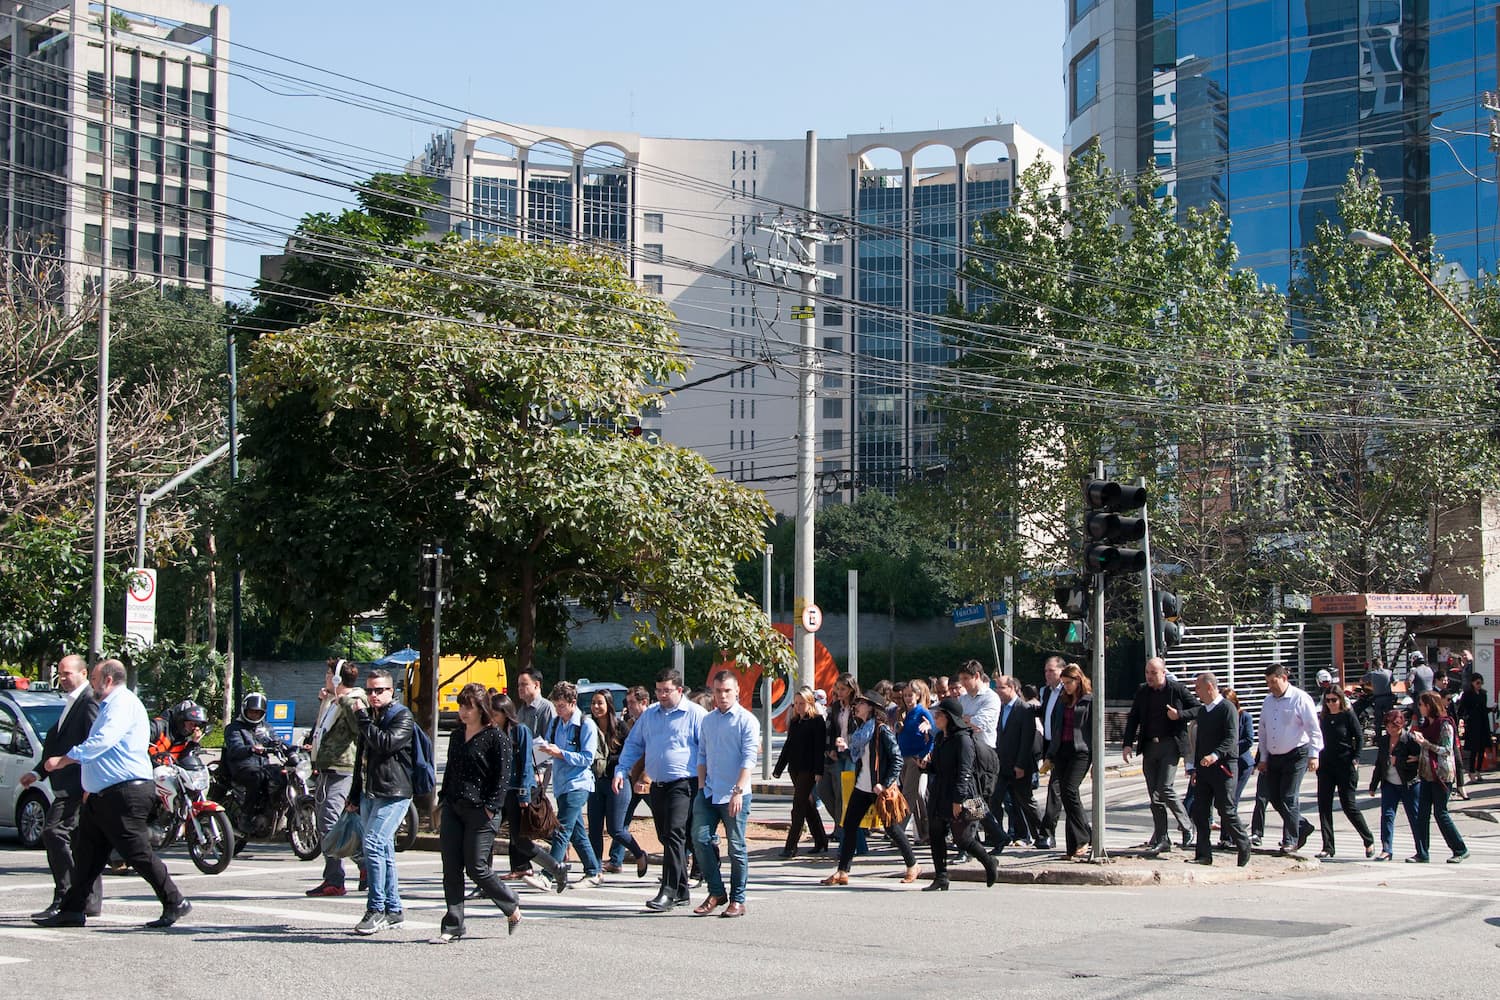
(991, 867)
(938, 884)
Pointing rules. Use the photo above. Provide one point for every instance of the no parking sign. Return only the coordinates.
(140, 607)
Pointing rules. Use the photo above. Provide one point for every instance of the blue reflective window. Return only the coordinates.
(1085, 81)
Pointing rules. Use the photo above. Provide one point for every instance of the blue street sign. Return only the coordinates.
(973, 614)
(280, 716)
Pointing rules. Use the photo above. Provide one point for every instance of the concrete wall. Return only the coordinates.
(291, 680)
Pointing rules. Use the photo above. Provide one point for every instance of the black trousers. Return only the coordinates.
(1054, 806)
(57, 838)
(465, 838)
(938, 829)
(671, 811)
(1340, 779)
(116, 818)
(804, 811)
(1025, 814)
(1068, 771)
(1282, 786)
(861, 802)
(1215, 790)
(522, 850)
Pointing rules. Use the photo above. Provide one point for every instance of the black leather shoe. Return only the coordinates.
(663, 901)
(1244, 855)
(62, 918)
(1187, 839)
(1303, 832)
(1200, 861)
(51, 910)
(1044, 844)
(170, 915)
(1162, 846)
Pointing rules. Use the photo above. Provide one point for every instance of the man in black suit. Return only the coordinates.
(1016, 741)
(1162, 742)
(1051, 715)
(67, 789)
(1216, 750)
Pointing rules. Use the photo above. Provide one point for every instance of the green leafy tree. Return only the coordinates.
(169, 672)
(476, 399)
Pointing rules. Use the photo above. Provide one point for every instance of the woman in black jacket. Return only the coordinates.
(1473, 710)
(1071, 754)
(475, 780)
(1338, 767)
(877, 766)
(802, 753)
(1395, 775)
(950, 782)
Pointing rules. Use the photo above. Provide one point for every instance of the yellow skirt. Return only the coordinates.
(846, 781)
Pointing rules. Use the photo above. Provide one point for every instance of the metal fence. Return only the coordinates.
(1239, 655)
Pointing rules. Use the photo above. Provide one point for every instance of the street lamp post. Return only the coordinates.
(1378, 241)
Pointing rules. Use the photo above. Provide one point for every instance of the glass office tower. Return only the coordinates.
(1259, 106)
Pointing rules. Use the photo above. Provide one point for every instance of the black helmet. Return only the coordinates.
(185, 715)
(254, 702)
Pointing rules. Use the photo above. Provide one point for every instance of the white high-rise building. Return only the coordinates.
(684, 213)
(169, 137)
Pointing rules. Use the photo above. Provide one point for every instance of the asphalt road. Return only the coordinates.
(1356, 928)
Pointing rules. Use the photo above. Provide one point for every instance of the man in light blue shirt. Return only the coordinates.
(666, 737)
(116, 773)
(571, 741)
(730, 745)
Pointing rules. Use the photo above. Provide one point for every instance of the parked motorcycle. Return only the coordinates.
(183, 808)
(288, 808)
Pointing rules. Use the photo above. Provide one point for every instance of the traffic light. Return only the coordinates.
(1107, 524)
(1072, 598)
(1168, 614)
(1073, 633)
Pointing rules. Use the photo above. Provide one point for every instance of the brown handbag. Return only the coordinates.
(890, 805)
(538, 817)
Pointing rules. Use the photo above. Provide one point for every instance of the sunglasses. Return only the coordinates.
(1333, 701)
(377, 690)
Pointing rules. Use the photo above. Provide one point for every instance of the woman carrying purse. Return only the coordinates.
(522, 787)
(877, 767)
(950, 783)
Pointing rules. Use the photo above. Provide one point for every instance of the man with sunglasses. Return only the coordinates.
(382, 792)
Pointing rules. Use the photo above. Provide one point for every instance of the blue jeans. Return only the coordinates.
(570, 828)
(1391, 796)
(1432, 804)
(706, 819)
(381, 817)
(607, 814)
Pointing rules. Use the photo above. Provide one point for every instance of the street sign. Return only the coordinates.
(973, 614)
(140, 607)
(802, 312)
(280, 715)
(812, 618)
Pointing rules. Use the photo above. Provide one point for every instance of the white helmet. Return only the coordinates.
(1324, 677)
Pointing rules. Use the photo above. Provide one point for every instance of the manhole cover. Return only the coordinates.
(1253, 928)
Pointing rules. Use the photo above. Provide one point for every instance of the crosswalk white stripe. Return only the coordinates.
(9, 960)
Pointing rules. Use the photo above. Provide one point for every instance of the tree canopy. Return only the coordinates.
(477, 397)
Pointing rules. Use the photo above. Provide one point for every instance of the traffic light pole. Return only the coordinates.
(1097, 715)
(1148, 589)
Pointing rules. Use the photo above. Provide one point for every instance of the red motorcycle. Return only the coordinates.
(183, 809)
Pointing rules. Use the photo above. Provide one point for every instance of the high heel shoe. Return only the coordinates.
(936, 885)
(511, 922)
(911, 875)
(837, 878)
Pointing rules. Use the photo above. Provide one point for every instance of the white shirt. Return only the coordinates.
(983, 710)
(73, 697)
(1049, 697)
(1289, 722)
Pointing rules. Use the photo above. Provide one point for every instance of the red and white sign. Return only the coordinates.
(812, 618)
(140, 607)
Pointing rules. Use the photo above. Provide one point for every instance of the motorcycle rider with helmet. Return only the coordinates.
(246, 742)
(177, 731)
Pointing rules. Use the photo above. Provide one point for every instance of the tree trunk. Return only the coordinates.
(526, 620)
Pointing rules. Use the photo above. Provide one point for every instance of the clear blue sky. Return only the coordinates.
(767, 70)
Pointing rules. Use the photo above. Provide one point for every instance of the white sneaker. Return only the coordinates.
(539, 882)
(595, 880)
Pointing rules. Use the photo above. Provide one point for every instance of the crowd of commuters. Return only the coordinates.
(925, 761)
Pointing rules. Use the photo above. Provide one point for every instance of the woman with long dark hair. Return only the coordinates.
(1473, 710)
(472, 797)
(950, 783)
(522, 788)
(877, 766)
(1071, 754)
(802, 753)
(606, 806)
(1338, 764)
(1432, 730)
(1395, 777)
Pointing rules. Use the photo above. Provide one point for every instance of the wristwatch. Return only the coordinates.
(736, 790)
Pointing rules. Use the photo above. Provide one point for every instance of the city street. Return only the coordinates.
(1354, 928)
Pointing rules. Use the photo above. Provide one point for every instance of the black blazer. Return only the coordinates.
(1407, 754)
(1218, 733)
(1179, 697)
(950, 774)
(1016, 741)
(66, 735)
(1342, 739)
(1082, 710)
(803, 749)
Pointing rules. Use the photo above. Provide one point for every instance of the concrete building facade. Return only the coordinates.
(169, 137)
(684, 213)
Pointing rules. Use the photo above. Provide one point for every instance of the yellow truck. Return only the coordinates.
(453, 673)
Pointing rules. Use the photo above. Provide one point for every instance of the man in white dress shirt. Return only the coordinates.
(1290, 741)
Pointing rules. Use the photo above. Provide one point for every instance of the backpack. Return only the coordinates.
(986, 767)
(423, 773)
(600, 762)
